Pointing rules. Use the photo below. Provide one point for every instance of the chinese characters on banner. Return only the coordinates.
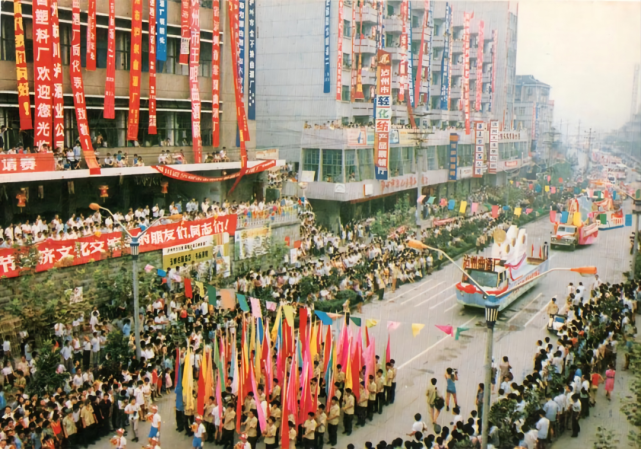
(495, 43)
(445, 60)
(326, 78)
(135, 70)
(251, 83)
(26, 163)
(449, 60)
(419, 70)
(215, 74)
(110, 81)
(241, 116)
(479, 149)
(58, 100)
(186, 176)
(353, 59)
(402, 68)
(194, 61)
(479, 67)
(78, 91)
(383, 113)
(430, 24)
(339, 53)
(358, 93)
(91, 36)
(493, 160)
(453, 162)
(409, 82)
(161, 26)
(152, 67)
(240, 21)
(42, 65)
(466, 69)
(24, 101)
(184, 32)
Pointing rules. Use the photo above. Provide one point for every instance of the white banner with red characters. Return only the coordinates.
(185, 35)
(22, 76)
(402, 68)
(194, 61)
(466, 69)
(26, 163)
(58, 100)
(479, 67)
(110, 81)
(91, 36)
(42, 72)
(495, 43)
(339, 53)
(135, 70)
(215, 74)
(419, 70)
(66, 253)
(186, 176)
(479, 149)
(152, 67)
(493, 158)
(383, 113)
(78, 90)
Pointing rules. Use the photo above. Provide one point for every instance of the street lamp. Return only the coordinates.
(636, 210)
(134, 246)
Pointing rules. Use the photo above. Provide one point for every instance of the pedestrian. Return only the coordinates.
(552, 309)
(576, 414)
(270, 434)
(361, 406)
(432, 395)
(609, 382)
(371, 403)
(229, 426)
(251, 428)
(332, 421)
(119, 441)
(321, 420)
(451, 375)
(199, 430)
(380, 391)
(309, 433)
(154, 431)
(132, 410)
(348, 410)
(393, 390)
(479, 399)
(543, 427)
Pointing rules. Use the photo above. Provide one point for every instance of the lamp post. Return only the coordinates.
(636, 210)
(134, 246)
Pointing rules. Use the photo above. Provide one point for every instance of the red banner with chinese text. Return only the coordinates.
(66, 253)
(26, 163)
(479, 67)
(419, 70)
(185, 176)
(466, 70)
(402, 68)
(194, 61)
(185, 34)
(135, 70)
(241, 115)
(58, 100)
(42, 70)
(22, 76)
(339, 53)
(215, 74)
(358, 93)
(78, 91)
(152, 67)
(91, 36)
(110, 81)
(353, 61)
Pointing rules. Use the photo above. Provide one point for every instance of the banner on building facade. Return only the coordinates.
(410, 61)
(161, 30)
(383, 122)
(430, 23)
(495, 43)
(352, 84)
(135, 70)
(24, 101)
(419, 70)
(215, 74)
(241, 116)
(110, 80)
(200, 250)
(402, 67)
(251, 60)
(240, 20)
(91, 36)
(26, 163)
(479, 67)
(194, 62)
(467, 17)
(42, 73)
(66, 253)
(78, 91)
(58, 100)
(358, 94)
(493, 159)
(453, 162)
(339, 53)
(451, 56)
(190, 177)
(185, 35)
(326, 77)
(445, 63)
(479, 148)
(252, 242)
(152, 67)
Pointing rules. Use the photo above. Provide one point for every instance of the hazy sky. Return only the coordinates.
(586, 51)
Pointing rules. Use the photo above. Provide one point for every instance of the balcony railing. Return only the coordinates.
(272, 215)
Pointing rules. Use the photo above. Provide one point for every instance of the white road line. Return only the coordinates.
(447, 310)
(442, 302)
(528, 305)
(420, 293)
(434, 297)
(421, 284)
(535, 315)
(434, 345)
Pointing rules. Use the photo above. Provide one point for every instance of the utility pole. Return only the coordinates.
(587, 165)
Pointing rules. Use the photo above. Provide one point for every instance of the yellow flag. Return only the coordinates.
(277, 323)
(416, 328)
(188, 381)
(289, 315)
(348, 370)
(463, 207)
(547, 188)
(577, 219)
(370, 322)
(517, 211)
(201, 289)
(313, 349)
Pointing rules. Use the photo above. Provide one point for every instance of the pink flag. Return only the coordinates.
(527, 211)
(388, 351)
(392, 325)
(475, 206)
(270, 305)
(256, 308)
(552, 216)
(518, 183)
(219, 398)
(148, 268)
(495, 211)
(261, 414)
(447, 329)
(553, 189)
(443, 202)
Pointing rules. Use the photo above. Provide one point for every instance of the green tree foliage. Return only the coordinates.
(46, 379)
(605, 439)
(114, 285)
(632, 404)
(386, 222)
(118, 353)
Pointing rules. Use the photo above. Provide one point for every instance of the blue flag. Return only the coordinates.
(628, 219)
(325, 319)
(180, 406)
(161, 273)
(242, 302)
(451, 204)
(564, 216)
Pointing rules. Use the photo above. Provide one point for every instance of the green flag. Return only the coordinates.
(459, 330)
(603, 218)
(431, 200)
(355, 320)
(211, 293)
(242, 302)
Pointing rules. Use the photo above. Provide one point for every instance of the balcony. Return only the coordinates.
(365, 45)
(285, 215)
(363, 109)
(438, 41)
(395, 53)
(370, 15)
(368, 76)
(393, 25)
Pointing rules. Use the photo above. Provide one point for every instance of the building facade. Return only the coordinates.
(534, 111)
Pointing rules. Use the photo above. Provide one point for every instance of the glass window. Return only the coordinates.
(122, 49)
(395, 162)
(408, 160)
(464, 155)
(7, 39)
(443, 155)
(351, 169)
(432, 163)
(347, 28)
(204, 69)
(366, 163)
(10, 117)
(333, 165)
(102, 41)
(345, 93)
(311, 160)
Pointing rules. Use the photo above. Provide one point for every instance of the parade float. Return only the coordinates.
(575, 226)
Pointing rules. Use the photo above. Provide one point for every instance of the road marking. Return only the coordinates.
(434, 297)
(434, 345)
(420, 293)
(421, 284)
(442, 302)
(447, 310)
(519, 312)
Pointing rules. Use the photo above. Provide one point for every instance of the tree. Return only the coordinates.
(46, 379)
(632, 405)
(118, 353)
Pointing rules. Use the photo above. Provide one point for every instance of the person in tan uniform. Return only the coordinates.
(270, 434)
(552, 309)
(321, 420)
(380, 391)
(332, 421)
(309, 431)
(389, 378)
(229, 426)
(361, 407)
(348, 409)
(371, 403)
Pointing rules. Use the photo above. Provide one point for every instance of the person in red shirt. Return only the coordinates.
(595, 380)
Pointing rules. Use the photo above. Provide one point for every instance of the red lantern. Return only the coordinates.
(103, 192)
(22, 199)
(163, 187)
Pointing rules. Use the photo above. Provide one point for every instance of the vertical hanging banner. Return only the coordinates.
(110, 81)
(358, 95)
(241, 116)
(161, 31)
(383, 113)
(402, 68)
(493, 159)
(241, 45)
(380, 36)
(91, 36)
(78, 91)
(445, 63)
(152, 67)
(453, 162)
(339, 53)
(251, 60)
(430, 24)
(479, 67)
(353, 60)
(215, 74)
(184, 32)
(24, 102)
(479, 148)
(419, 70)
(58, 100)
(467, 17)
(42, 70)
(451, 56)
(495, 43)
(135, 70)
(194, 62)
(410, 58)
(326, 77)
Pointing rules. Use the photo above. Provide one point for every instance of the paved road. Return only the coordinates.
(432, 302)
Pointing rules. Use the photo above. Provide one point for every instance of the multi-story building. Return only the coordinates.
(534, 111)
(332, 135)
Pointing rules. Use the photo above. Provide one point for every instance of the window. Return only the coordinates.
(102, 41)
(408, 160)
(351, 169)
(172, 65)
(416, 21)
(347, 28)
(464, 155)
(366, 163)
(122, 49)
(204, 69)
(7, 39)
(390, 10)
(65, 43)
(10, 117)
(311, 160)
(347, 61)
(395, 162)
(416, 45)
(432, 163)
(345, 93)
(443, 152)
(333, 165)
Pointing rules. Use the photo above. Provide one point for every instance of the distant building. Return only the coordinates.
(533, 110)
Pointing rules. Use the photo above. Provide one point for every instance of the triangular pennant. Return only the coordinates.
(447, 329)
(416, 328)
(355, 320)
(242, 302)
(370, 322)
(459, 330)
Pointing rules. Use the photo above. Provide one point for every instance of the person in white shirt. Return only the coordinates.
(199, 430)
(95, 349)
(155, 422)
(119, 441)
(66, 352)
(132, 410)
(543, 427)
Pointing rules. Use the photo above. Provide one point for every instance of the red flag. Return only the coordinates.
(110, 80)
(495, 211)
(215, 73)
(135, 71)
(552, 216)
(188, 292)
(328, 349)
(91, 36)
(388, 351)
(284, 431)
(177, 367)
(449, 330)
(152, 68)
(200, 400)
